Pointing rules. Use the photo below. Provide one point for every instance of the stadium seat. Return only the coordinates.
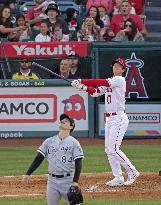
(64, 5)
(28, 3)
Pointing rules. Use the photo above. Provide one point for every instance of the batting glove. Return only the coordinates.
(81, 87)
(75, 83)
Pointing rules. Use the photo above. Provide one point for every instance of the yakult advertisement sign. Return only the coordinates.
(36, 111)
(53, 49)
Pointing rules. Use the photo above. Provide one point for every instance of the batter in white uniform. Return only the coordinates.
(64, 155)
(116, 120)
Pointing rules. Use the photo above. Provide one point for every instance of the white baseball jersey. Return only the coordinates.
(61, 154)
(115, 94)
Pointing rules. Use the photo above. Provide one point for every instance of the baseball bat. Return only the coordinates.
(49, 71)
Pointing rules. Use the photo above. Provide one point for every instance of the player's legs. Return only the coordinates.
(115, 165)
(64, 185)
(118, 132)
(53, 195)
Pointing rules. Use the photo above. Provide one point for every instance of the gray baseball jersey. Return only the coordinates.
(61, 154)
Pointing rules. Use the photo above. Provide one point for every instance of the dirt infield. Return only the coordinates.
(148, 186)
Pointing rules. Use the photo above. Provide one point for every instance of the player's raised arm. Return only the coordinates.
(91, 82)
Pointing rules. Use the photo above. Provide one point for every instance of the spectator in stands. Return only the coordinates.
(117, 21)
(72, 23)
(104, 16)
(89, 31)
(75, 68)
(25, 72)
(129, 33)
(26, 33)
(34, 17)
(117, 8)
(6, 26)
(12, 4)
(44, 35)
(57, 34)
(108, 4)
(64, 69)
(94, 13)
(53, 14)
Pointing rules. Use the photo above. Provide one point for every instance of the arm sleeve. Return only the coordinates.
(78, 167)
(95, 82)
(91, 90)
(35, 164)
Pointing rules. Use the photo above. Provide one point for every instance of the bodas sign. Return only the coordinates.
(28, 108)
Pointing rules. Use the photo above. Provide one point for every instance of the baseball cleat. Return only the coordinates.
(132, 176)
(117, 181)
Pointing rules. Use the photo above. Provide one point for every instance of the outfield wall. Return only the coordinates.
(143, 94)
(32, 108)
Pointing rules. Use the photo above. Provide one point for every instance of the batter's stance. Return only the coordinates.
(116, 120)
(61, 152)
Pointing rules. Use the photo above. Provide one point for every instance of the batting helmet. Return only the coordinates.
(121, 61)
(72, 123)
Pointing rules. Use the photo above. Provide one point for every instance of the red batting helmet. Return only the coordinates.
(121, 61)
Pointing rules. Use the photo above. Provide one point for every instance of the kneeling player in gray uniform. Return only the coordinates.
(61, 151)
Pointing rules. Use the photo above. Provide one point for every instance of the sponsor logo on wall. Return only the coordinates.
(134, 79)
(32, 108)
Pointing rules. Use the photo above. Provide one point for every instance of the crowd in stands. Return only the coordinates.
(68, 68)
(103, 20)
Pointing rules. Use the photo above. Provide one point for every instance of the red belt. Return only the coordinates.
(108, 114)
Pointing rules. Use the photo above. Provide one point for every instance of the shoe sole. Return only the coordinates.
(115, 185)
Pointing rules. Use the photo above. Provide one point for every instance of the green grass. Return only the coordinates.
(15, 161)
(42, 201)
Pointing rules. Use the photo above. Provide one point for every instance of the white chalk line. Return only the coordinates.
(20, 195)
(23, 175)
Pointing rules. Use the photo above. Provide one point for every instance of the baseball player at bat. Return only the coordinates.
(116, 120)
(64, 155)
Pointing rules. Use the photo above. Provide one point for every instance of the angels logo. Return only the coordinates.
(134, 79)
(74, 107)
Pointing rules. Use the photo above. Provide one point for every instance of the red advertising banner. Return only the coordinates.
(44, 50)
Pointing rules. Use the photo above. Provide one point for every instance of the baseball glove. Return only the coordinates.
(75, 195)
